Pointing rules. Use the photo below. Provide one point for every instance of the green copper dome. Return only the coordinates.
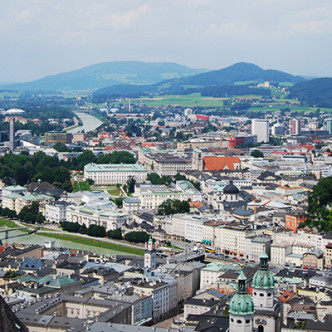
(263, 278)
(241, 302)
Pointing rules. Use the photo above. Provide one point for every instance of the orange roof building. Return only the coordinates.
(286, 296)
(221, 163)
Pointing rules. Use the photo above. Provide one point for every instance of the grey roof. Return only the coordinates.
(110, 327)
(32, 264)
(9, 322)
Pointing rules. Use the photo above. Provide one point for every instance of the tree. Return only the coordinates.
(131, 185)
(319, 205)
(83, 229)
(115, 234)
(257, 154)
(40, 218)
(98, 231)
(67, 186)
(119, 201)
(173, 206)
(156, 179)
(136, 237)
(60, 147)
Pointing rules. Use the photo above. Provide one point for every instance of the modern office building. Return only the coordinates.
(294, 127)
(329, 126)
(261, 129)
(278, 130)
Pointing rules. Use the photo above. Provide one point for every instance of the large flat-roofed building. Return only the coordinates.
(165, 163)
(105, 174)
(52, 138)
(108, 217)
(151, 196)
(260, 127)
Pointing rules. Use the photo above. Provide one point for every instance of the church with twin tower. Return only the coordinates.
(259, 313)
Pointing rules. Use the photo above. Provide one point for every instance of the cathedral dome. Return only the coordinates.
(230, 189)
(263, 278)
(241, 303)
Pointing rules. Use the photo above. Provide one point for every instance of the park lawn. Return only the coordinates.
(81, 186)
(172, 247)
(114, 192)
(95, 243)
(8, 223)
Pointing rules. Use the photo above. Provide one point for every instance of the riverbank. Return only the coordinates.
(90, 123)
(95, 243)
(76, 241)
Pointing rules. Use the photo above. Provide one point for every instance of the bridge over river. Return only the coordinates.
(6, 230)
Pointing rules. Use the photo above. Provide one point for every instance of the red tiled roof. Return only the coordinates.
(286, 296)
(220, 163)
(197, 204)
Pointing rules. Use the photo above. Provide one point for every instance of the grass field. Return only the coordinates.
(95, 243)
(114, 191)
(81, 186)
(299, 109)
(9, 94)
(194, 99)
(8, 223)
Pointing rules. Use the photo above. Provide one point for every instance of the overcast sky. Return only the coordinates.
(44, 37)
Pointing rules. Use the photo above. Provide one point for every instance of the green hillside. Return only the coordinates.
(216, 83)
(316, 92)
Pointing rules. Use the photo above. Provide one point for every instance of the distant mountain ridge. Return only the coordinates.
(238, 72)
(106, 74)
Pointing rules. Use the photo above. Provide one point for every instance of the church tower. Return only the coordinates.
(231, 192)
(150, 257)
(267, 310)
(197, 160)
(241, 308)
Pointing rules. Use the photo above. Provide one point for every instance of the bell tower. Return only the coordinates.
(241, 308)
(267, 310)
(197, 160)
(150, 257)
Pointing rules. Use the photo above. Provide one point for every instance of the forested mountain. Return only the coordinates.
(316, 92)
(106, 74)
(216, 83)
(239, 72)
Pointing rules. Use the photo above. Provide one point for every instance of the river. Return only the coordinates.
(89, 123)
(20, 237)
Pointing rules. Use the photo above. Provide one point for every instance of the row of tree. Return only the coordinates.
(99, 231)
(75, 227)
(28, 214)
